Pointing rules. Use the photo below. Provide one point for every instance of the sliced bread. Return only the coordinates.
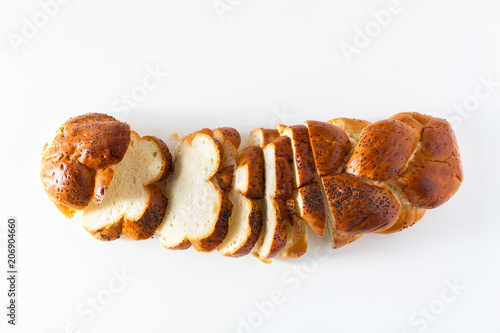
(278, 189)
(245, 223)
(133, 206)
(199, 209)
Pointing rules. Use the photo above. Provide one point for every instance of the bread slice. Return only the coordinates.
(229, 139)
(199, 210)
(330, 146)
(245, 223)
(133, 205)
(308, 198)
(249, 175)
(304, 166)
(261, 137)
(278, 189)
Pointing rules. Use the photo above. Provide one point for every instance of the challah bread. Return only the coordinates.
(350, 176)
(398, 168)
(75, 163)
(133, 205)
(245, 222)
(199, 208)
(76, 167)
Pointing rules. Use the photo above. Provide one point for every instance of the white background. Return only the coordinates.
(254, 65)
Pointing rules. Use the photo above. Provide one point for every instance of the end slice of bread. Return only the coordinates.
(198, 210)
(133, 205)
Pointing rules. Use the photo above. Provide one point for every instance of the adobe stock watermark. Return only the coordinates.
(461, 111)
(153, 78)
(223, 7)
(32, 25)
(380, 20)
(281, 116)
(423, 318)
(292, 278)
(88, 309)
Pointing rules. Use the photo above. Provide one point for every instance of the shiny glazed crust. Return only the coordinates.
(82, 146)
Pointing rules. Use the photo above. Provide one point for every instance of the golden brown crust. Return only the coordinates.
(103, 179)
(358, 207)
(109, 233)
(303, 158)
(330, 145)
(312, 210)
(184, 245)
(262, 137)
(279, 232)
(167, 166)
(67, 212)
(224, 178)
(383, 150)
(255, 223)
(228, 134)
(82, 145)
(352, 127)
(299, 248)
(296, 244)
(229, 140)
(435, 174)
(413, 119)
(220, 230)
(145, 227)
(68, 184)
(339, 240)
(409, 216)
(430, 184)
(283, 170)
(252, 160)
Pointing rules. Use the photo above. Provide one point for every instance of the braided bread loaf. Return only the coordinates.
(399, 168)
(347, 176)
